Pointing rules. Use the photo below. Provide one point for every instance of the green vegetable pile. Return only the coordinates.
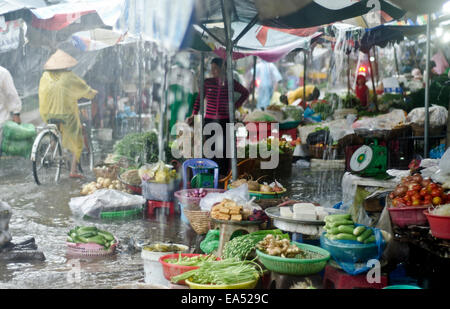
(342, 227)
(322, 108)
(197, 260)
(223, 272)
(90, 234)
(242, 246)
(350, 101)
(141, 148)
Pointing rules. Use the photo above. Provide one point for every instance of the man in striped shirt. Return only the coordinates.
(216, 111)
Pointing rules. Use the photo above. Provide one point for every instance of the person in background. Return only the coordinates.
(59, 92)
(312, 93)
(9, 100)
(361, 90)
(417, 82)
(216, 110)
(268, 76)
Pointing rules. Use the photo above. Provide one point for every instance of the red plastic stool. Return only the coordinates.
(151, 205)
(338, 279)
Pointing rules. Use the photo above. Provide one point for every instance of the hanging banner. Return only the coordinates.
(9, 34)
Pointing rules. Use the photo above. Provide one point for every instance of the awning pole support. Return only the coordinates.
(254, 81)
(202, 91)
(226, 11)
(304, 76)
(427, 91)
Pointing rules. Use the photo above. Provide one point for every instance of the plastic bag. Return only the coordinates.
(103, 201)
(444, 164)
(438, 116)
(211, 241)
(239, 195)
(259, 116)
(18, 132)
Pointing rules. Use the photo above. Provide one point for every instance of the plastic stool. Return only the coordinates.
(200, 166)
(338, 279)
(151, 205)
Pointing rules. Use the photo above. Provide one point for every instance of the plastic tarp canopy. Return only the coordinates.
(314, 13)
(270, 44)
(13, 9)
(385, 34)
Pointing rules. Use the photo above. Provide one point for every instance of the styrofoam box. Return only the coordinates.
(303, 206)
(286, 212)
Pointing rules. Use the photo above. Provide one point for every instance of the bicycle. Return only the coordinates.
(47, 155)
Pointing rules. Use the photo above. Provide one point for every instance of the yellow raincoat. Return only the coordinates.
(59, 92)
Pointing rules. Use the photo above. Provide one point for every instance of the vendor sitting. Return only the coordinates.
(311, 92)
(362, 91)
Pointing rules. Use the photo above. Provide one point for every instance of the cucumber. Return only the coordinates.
(334, 231)
(345, 236)
(342, 222)
(87, 234)
(85, 229)
(334, 218)
(69, 239)
(370, 239)
(348, 229)
(108, 236)
(367, 233)
(330, 236)
(77, 240)
(359, 230)
(97, 240)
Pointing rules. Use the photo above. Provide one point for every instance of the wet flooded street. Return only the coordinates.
(44, 213)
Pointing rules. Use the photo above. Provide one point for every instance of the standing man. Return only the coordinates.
(268, 76)
(9, 100)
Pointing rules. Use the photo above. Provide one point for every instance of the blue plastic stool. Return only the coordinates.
(200, 166)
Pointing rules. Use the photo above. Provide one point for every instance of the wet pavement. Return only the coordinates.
(44, 213)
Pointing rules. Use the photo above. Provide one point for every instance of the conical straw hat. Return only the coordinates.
(60, 60)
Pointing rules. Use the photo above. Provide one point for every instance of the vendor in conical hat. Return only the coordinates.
(59, 92)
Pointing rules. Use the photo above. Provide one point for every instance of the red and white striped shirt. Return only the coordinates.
(216, 97)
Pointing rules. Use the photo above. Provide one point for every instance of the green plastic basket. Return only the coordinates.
(402, 287)
(298, 267)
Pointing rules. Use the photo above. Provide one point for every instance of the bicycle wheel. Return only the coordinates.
(87, 156)
(47, 159)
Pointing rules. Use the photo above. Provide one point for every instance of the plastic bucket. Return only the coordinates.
(404, 216)
(402, 287)
(439, 225)
(153, 268)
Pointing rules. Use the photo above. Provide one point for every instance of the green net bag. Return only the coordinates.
(15, 148)
(211, 241)
(18, 132)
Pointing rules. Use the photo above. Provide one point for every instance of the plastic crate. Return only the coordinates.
(405, 216)
(298, 267)
(163, 192)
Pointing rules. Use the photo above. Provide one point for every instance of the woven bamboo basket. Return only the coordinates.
(199, 220)
(419, 130)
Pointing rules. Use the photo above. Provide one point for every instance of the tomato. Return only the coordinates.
(436, 193)
(434, 185)
(395, 202)
(401, 200)
(416, 187)
(407, 198)
(416, 203)
(408, 203)
(416, 197)
(410, 193)
(423, 192)
(437, 200)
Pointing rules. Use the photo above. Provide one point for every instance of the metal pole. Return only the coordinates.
(348, 74)
(202, 90)
(304, 77)
(226, 11)
(139, 100)
(163, 109)
(373, 81)
(254, 81)
(427, 91)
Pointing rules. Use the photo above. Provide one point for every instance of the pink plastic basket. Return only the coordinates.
(404, 216)
(90, 249)
(439, 225)
(193, 202)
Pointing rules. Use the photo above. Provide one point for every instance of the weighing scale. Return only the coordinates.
(370, 161)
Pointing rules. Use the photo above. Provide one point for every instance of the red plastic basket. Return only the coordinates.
(172, 270)
(439, 225)
(404, 216)
(193, 202)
